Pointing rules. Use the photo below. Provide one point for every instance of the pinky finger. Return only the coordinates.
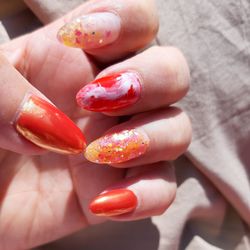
(143, 193)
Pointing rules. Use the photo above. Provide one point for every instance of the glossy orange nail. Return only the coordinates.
(43, 124)
(113, 203)
(117, 147)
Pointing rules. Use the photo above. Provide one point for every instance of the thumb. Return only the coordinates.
(29, 122)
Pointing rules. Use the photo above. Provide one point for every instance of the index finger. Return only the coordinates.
(27, 116)
(110, 30)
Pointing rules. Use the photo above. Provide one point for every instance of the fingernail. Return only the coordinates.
(43, 124)
(110, 92)
(91, 31)
(118, 147)
(113, 203)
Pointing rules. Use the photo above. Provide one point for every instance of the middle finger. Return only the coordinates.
(155, 78)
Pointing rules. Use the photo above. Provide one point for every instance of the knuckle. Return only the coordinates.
(174, 68)
(186, 130)
(180, 137)
(183, 78)
(183, 135)
(179, 70)
(147, 21)
(167, 200)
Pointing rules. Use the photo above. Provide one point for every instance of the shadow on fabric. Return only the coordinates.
(136, 235)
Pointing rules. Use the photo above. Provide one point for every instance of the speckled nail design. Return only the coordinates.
(91, 31)
(118, 147)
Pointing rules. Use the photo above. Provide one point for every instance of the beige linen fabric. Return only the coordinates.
(212, 207)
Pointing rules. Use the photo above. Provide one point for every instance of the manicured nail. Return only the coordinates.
(114, 202)
(43, 124)
(91, 31)
(110, 92)
(118, 147)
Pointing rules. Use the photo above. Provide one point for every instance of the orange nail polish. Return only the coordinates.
(113, 203)
(118, 147)
(43, 124)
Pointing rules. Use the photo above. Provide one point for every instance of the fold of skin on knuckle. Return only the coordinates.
(163, 209)
(146, 15)
(144, 24)
(169, 196)
(183, 77)
(153, 19)
(163, 173)
(175, 141)
(187, 129)
(170, 186)
(182, 134)
(175, 69)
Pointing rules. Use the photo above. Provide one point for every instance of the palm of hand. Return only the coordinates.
(45, 197)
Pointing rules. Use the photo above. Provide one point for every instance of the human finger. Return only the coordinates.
(146, 191)
(154, 78)
(28, 119)
(149, 137)
(110, 30)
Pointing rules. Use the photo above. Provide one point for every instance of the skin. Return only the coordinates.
(45, 196)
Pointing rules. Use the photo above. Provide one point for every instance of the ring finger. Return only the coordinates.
(147, 138)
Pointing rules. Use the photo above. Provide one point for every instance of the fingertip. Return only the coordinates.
(147, 193)
(107, 31)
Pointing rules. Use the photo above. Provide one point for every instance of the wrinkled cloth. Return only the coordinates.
(212, 207)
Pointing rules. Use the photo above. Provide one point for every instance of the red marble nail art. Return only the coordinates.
(110, 92)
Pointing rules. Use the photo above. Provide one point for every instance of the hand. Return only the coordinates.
(45, 196)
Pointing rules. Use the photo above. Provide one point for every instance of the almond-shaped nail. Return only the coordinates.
(91, 31)
(115, 202)
(43, 124)
(110, 93)
(117, 147)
